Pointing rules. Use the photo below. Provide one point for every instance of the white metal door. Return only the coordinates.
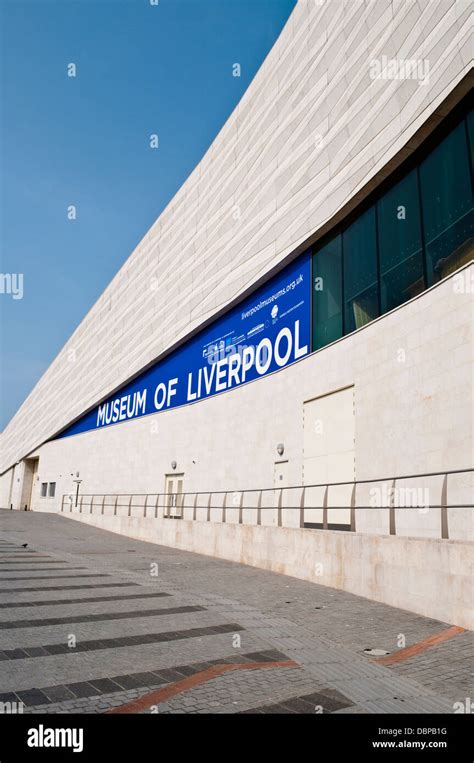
(329, 454)
(174, 495)
(280, 474)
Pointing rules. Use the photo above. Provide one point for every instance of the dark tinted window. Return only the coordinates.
(470, 127)
(327, 294)
(360, 272)
(400, 243)
(446, 199)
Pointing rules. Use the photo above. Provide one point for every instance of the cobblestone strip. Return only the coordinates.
(161, 695)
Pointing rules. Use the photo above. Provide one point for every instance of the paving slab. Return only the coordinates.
(217, 636)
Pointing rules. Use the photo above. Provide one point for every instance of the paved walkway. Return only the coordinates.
(94, 622)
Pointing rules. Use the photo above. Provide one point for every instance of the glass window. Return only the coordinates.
(470, 129)
(52, 489)
(44, 488)
(360, 272)
(400, 243)
(446, 198)
(327, 294)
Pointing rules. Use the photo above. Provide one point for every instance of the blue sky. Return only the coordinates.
(84, 141)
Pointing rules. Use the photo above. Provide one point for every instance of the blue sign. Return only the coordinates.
(267, 331)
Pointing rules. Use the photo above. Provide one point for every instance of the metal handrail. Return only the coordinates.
(270, 508)
(299, 487)
(175, 504)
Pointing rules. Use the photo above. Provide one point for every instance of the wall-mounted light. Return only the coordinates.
(173, 464)
(280, 448)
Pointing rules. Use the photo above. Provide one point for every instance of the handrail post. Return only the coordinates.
(62, 503)
(280, 509)
(80, 504)
(144, 508)
(130, 506)
(208, 519)
(392, 525)
(353, 508)
(115, 505)
(259, 509)
(195, 507)
(156, 505)
(444, 509)
(325, 507)
(224, 509)
(302, 509)
(103, 505)
(241, 508)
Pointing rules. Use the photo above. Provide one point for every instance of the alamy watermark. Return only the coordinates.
(400, 68)
(12, 283)
(466, 706)
(400, 497)
(463, 283)
(11, 708)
